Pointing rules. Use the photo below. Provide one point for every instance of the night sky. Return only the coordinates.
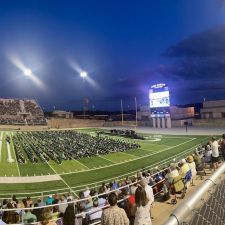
(125, 46)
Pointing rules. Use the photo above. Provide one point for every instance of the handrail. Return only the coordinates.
(185, 209)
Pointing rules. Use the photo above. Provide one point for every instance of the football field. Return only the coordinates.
(74, 175)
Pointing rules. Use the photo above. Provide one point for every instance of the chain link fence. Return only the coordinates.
(206, 206)
(212, 210)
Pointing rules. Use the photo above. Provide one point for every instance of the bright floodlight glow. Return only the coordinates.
(83, 74)
(27, 72)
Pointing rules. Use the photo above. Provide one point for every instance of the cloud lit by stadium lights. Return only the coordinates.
(26, 71)
(84, 74)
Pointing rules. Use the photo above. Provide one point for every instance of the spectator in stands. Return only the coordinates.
(184, 168)
(172, 173)
(114, 215)
(148, 190)
(215, 153)
(198, 161)
(10, 217)
(69, 215)
(133, 187)
(95, 213)
(4, 204)
(62, 208)
(37, 212)
(55, 209)
(89, 204)
(101, 197)
(49, 200)
(29, 217)
(223, 146)
(208, 153)
(142, 207)
(47, 217)
(192, 166)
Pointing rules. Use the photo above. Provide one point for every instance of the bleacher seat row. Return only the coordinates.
(21, 112)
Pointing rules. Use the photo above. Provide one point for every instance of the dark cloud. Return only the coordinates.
(201, 55)
(210, 43)
(197, 71)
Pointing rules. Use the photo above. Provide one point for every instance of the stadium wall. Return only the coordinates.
(209, 122)
(18, 127)
(74, 123)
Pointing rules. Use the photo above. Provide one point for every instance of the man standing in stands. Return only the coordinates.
(222, 145)
(215, 153)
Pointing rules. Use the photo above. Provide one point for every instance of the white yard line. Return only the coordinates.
(62, 180)
(81, 163)
(13, 150)
(1, 146)
(133, 156)
(107, 159)
(142, 157)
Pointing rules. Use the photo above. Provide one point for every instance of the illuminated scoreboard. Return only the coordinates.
(159, 96)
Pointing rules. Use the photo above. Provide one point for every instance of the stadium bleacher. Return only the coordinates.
(21, 112)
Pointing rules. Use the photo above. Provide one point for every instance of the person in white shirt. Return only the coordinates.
(149, 192)
(95, 213)
(62, 208)
(215, 153)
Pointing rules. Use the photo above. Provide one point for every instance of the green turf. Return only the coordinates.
(120, 157)
(31, 187)
(95, 162)
(98, 168)
(6, 168)
(117, 170)
(67, 166)
(37, 169)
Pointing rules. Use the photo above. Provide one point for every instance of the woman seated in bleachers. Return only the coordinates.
(172, 172)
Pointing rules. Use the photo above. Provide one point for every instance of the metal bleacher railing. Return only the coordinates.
(205, 206)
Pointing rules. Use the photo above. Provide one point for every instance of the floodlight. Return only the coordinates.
(83, 74)
(27, 72)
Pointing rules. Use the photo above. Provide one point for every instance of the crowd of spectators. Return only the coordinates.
(9, 106)
(33, 108)
(122, 202)
(114, 203)
(17, 120)
(65, 145)
(21, 112)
